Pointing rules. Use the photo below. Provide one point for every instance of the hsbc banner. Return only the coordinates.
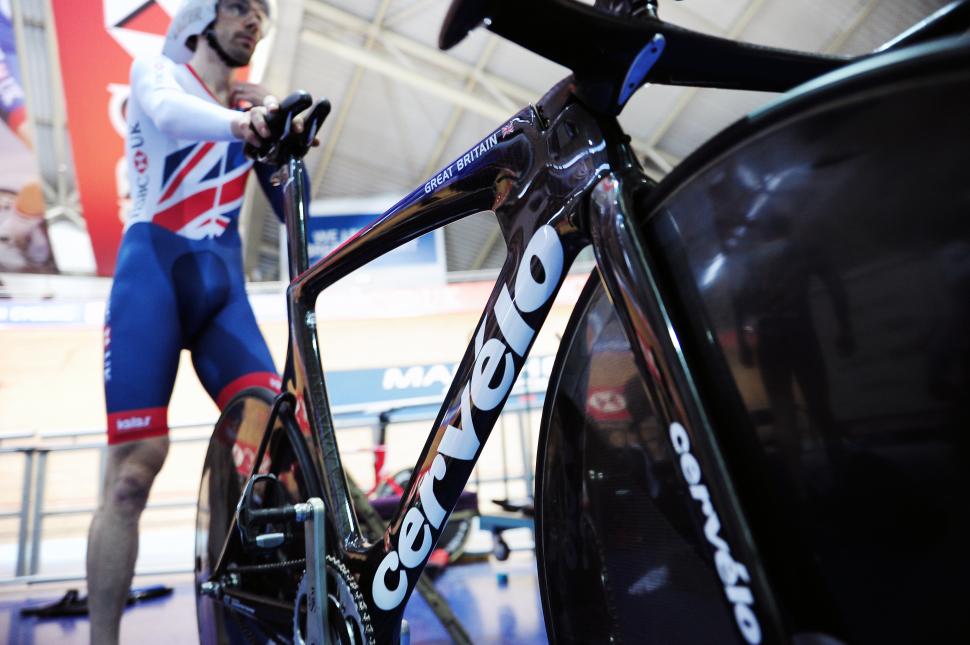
(24, 245)
(97, 42)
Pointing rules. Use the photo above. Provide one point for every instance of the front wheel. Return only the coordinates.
(619, 555)
(228, 464)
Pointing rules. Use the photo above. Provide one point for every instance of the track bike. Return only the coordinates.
(782, 323)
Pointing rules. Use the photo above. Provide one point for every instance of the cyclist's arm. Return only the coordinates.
(175, 112)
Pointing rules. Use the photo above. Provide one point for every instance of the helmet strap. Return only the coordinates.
(210, 37)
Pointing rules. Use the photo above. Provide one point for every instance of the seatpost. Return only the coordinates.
(286, 148)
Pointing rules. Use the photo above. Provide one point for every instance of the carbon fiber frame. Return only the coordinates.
(534, 173)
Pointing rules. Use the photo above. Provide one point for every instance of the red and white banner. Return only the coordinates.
(97, 41)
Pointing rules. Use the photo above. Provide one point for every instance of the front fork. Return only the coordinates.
(630, 276)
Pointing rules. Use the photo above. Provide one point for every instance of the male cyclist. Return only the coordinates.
(179, 282)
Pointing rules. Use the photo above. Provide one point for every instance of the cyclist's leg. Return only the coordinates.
(229, 356)
(142, 345)
(113, 536)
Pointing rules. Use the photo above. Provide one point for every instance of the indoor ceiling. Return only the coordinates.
(403, 108)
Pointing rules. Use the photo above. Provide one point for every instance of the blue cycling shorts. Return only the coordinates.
(172, 293)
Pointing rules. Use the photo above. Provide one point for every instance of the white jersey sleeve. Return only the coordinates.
(172, 110)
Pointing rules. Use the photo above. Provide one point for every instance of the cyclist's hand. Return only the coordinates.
(244, 96)
(251, 126)
(299, 125)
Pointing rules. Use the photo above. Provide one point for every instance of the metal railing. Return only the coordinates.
(33, 511)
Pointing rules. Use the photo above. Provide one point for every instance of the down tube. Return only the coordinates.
(516, 311)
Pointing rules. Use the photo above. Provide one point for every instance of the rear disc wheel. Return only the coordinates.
(228, 464)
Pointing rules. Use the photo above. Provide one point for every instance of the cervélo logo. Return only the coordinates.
(462, 442)
(731, 572)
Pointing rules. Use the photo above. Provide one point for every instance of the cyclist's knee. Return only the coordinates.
(131, 472)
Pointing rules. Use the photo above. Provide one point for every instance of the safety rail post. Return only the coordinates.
(505, 456)
(38, 510)
(24, 512)
(525, 444)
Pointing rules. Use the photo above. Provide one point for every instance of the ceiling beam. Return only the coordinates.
(416, 78)
(404, 14)
(445, 136)
(347, 102)
(687, 95)
(339, 21)
(836, 44)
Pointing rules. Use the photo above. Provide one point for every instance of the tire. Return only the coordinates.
(226, 469)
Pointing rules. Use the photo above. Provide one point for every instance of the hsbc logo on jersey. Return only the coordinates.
(141, 162)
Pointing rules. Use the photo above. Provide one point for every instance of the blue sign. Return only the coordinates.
(327, 232)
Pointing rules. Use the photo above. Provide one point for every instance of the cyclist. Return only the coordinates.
(179, 282)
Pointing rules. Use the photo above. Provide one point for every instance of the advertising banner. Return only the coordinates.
(376, 389)
(24, 245)
(96, 42)
(333, 221)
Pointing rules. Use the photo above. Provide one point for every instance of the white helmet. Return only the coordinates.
(191, 19)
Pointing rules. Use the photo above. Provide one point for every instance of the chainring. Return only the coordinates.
(348, 620)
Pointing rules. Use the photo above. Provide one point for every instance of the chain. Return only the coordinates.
(286, 564)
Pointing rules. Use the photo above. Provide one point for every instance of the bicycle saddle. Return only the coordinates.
(606, 52)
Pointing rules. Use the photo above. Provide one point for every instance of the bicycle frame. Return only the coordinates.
(558, 178)
(534, 175)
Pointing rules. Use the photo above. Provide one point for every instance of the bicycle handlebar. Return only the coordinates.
(284, 142)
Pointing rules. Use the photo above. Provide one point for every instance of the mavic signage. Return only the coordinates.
(404, 384)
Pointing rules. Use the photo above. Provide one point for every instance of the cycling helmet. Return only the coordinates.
(194, 18)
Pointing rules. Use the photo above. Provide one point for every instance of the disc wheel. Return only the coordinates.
(228, 463)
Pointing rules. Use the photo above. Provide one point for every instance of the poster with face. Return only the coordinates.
(24, 245)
